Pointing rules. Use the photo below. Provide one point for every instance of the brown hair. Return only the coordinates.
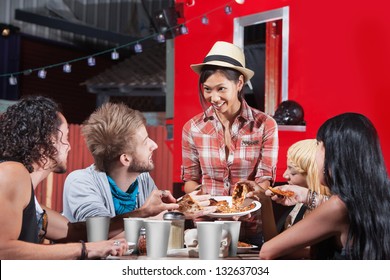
(109, 132)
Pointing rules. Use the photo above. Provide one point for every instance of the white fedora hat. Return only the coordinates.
(226, 55)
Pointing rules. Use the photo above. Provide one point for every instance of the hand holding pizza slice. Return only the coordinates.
(194, 206)
(295, 194)
(188, 204)
(281, 192)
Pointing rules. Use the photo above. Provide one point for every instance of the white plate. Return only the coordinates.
(241, 250)
(229, 215)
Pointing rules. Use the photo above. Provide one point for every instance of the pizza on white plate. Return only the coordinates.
(188, 205)
(238, 196)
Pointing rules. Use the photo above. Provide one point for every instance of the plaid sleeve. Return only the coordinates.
(190, 168)
(270, 145)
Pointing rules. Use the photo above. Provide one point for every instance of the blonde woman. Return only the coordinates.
(301, 171)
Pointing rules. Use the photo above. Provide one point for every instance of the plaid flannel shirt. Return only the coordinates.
(253, 151)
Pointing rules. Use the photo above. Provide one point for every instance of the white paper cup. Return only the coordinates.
(97, 228)
(209, 238)
(157, 235)
(132, 227)
(233, 228)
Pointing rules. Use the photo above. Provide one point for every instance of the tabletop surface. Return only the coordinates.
(252, 254)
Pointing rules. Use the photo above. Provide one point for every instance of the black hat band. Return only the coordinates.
(222, 58)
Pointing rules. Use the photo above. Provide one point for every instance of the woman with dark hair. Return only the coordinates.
(354, 223)
(229, 141)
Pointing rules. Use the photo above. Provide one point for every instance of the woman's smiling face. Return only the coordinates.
(223, 93)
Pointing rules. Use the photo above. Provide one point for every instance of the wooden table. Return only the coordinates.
(183, 255)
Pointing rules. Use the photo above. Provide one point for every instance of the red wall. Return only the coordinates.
(339, 55)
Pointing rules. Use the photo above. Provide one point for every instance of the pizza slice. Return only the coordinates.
(222, 205)
(188, 205)
(239, 194)
(243, 244)
(281, 192)
(243, 208)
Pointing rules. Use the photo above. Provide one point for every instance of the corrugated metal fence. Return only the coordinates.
(50, 191)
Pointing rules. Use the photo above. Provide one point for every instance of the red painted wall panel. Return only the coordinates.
(338, 62)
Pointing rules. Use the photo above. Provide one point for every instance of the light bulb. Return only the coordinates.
(138, 48)
(42, 73)
(67, 68)
(240, 1)
(91, 61)
(228, 10)
(183, 29)
(5, 32)
(13, 81)
(114, 55)
(160, 38)
(205, 20)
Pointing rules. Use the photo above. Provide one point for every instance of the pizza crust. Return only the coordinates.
(188, 205)
(281, 192)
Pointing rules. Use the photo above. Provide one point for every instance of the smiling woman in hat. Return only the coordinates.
(230, 141)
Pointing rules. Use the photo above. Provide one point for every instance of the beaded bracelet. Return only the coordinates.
(84, 252)
(324, 198)
(311, 200)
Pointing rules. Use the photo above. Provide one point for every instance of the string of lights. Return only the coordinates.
(137, 46)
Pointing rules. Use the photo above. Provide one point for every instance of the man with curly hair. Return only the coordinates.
(34, 143)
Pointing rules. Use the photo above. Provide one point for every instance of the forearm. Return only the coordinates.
(190, 186)
(60, 230)
(19, 250)
(264, 184)
(268, 219)
(313, 199)
(75, 232)
(301, 254)
(330, 219)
